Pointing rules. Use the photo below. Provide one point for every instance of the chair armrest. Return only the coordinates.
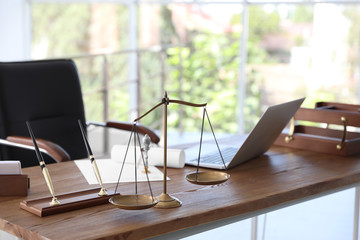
(128, 127)
(47, 147)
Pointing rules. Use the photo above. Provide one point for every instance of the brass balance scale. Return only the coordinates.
(165, 200)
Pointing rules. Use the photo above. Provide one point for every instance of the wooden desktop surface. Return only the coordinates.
(280, 176)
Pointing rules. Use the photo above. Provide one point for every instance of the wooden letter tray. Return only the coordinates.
(337, 140)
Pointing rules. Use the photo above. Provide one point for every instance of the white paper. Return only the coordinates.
(10, 167)
(110, 170)
(175, 157)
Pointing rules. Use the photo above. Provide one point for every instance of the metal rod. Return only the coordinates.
(13, 144)
(201, 137)
(264, 226)
(254, 227)
(135, 130)
(127, 149)
(217, 144)
(356, 213)
(165, 140)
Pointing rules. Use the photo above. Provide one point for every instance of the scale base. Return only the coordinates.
(167, 201)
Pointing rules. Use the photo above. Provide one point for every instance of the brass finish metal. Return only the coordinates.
(158, 105)
(44, 170)
(133, 202)
(166, 102)
(98, 177)
(167, 201)
(54, 202)
(208, 178)
(290, 136)
(136, 201)
(102, 192)
(46, 174)
(92, 160)
(341, 144)
(146, 170)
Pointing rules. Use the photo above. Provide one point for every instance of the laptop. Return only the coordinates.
(259, 140)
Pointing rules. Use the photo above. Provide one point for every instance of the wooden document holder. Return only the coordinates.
(338, 141)
(14, 185)
(68, 202)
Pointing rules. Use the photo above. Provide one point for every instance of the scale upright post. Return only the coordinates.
(165, 200)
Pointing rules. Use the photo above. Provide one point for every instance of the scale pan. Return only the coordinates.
(208, 178)
(133, 202)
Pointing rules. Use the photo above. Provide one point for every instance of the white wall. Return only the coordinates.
(15, 30)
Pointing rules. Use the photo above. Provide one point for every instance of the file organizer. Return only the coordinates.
(329, 129)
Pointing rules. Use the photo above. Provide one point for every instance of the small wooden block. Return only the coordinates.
(14, 185)
(68, 202)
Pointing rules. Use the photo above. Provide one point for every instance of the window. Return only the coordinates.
(195, 52)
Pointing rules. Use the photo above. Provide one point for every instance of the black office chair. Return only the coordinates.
(47, 94)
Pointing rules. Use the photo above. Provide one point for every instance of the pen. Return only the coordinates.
(44, 170)
(93, 162)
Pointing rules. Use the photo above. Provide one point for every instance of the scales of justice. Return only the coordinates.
(165, 200)
(91, 197)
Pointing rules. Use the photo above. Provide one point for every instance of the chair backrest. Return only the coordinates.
(47, 94)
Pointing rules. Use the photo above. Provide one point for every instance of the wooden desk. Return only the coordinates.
(279, 177)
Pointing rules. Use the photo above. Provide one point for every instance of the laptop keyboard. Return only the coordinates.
(214, 158)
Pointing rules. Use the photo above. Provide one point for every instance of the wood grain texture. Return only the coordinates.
(14, 185)
(279, 176)
(69, 202)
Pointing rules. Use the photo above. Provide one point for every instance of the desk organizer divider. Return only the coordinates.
(14, 185)
(337, 141)
(68, 202)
